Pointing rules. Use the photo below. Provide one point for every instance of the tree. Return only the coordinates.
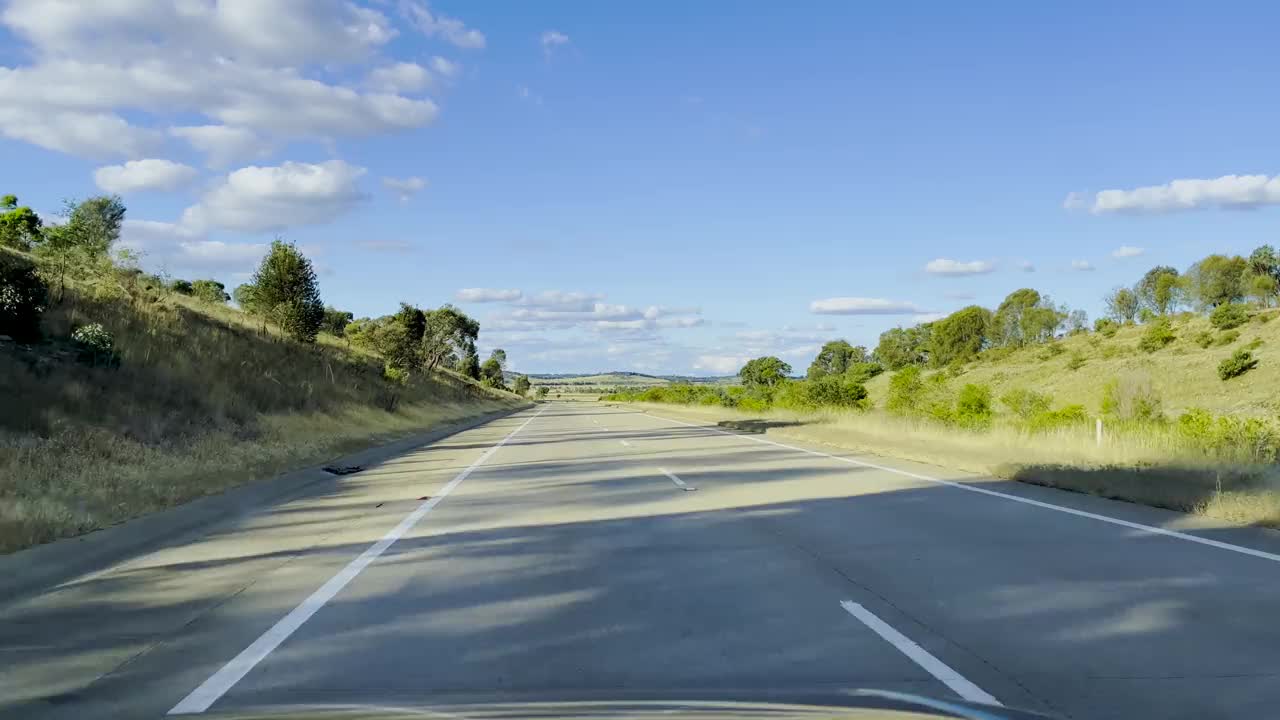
(78, 249)
(1265, 261)
(210, 291)
(401, 340)
(469, 365)
(521, 385)
(336, 321)
(543, 391)
(448, 331)
(491, 369)
(1078, 321)
(1217, 279)
(1122, 304)
(182, 287)
(764, 372)
(1263, 289)
(1159, 290)
(835, 359)
(19, 226)
(285, 290)
(243, 296)
(960, 336)
(1007, 324)
(901, 347)
(23, 298)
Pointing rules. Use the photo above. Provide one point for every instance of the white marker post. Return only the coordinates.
(1097, 433)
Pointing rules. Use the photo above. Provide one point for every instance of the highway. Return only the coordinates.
(575, 550)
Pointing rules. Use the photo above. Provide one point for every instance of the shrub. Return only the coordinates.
(1227, 337)
(864, 371)
(1229, 315)
(1254, 344)
(997, 353)
(1106, 327)
(1241, 362)
(1026, 403)
(23, 298)
(905, 388)
(1051, 351)
(1157, 336)
(210, 291)
(1263, 318)
(1076, 361)
(285, 288)
(96, 345)
(182, 287)
(1242, 438)
(973, 406)
(1204, 338)
(835, 391)
(1063, 417)
(1132, 397)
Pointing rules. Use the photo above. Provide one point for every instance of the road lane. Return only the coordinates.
(570, 564)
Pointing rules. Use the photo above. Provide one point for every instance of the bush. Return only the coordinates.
(973, 406)
(834, 391)
(1026, 403)
(862, 372)
(1229, 315)
(1254, 344)
(210, 291)
(1076, 361)
(96, 345)
(1238, 438)
(1106, 327)
(1226, 338)
(1204, 338)
(182, 287)
(1132, 397)
(1051, 351)
(1063, 417)
(1238, 364)
(23, 298)
(905, 389)
(1157, 336)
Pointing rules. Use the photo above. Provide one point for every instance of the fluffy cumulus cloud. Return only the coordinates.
(139, 175)
(106, 76)
(1228, 191)
(1127, 251)
(181, 250)
(256, 199)
(487, 295)
(943, 266)
(404, 188)
(862, 306)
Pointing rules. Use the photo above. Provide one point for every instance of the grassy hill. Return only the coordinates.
(196, 398)
(1183, 374)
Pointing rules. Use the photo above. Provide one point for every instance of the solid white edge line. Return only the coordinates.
(672, 477)
(932, 665)
(1005, 496)
(225, 678)
(624, 442)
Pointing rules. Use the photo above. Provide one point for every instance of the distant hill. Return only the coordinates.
(614, 379)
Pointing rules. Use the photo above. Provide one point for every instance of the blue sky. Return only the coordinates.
(670, 187)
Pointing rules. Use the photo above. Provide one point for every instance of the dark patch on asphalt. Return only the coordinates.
(343, 469)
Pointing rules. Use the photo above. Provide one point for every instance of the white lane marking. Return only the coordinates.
(605, 429)
(672, 477)
(224, 679)
(624, 442)
(1005, 496)
(932, 665)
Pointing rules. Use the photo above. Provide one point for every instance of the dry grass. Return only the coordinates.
(1149, 467)
(202, 400)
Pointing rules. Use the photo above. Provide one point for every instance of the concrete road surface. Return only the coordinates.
(580, 551)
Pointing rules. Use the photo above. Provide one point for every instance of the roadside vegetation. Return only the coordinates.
(1179, 372)
(125, 392)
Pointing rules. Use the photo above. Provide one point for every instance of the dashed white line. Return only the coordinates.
(624, 442)
(225, 678)
(1273, 557)
(932, 665)
(672, 477)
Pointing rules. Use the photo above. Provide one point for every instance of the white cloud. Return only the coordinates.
(1228, 191)
(180, 249)
(1027, 266)
(943, 266)
(721, 364)
(1075, 201)
(404, 188)
(552, 39)
(139, 175)
(450, 29)
(563, 301)
(444, 67)
(486, 295)
(255, 199)
(222, 144)
(1082, 265)
(399, 77)
(266, 72)
(862, 306)
(1127, 251)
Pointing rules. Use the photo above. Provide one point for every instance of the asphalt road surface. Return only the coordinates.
(582, 551)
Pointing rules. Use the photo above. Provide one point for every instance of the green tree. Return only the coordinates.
(764, 372)
(401, 339)
(469, 365)
(543, 390)
(1263, 289)
(1122, 304)
(1217, 279)
(901, 347)
(20, 227)
(23, 298)
(960, 336)
(285, 290)
(1159, 290)
(78, 249)
(521, 385)
(336, 321)
(182, 287)
(1265, 261)
(210, 291)
(835, 359)
(1078, 321)
(491, 372)
(243, 296)
(449, 331)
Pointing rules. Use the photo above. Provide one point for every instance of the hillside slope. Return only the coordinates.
(1183, 373)
(198, 398)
